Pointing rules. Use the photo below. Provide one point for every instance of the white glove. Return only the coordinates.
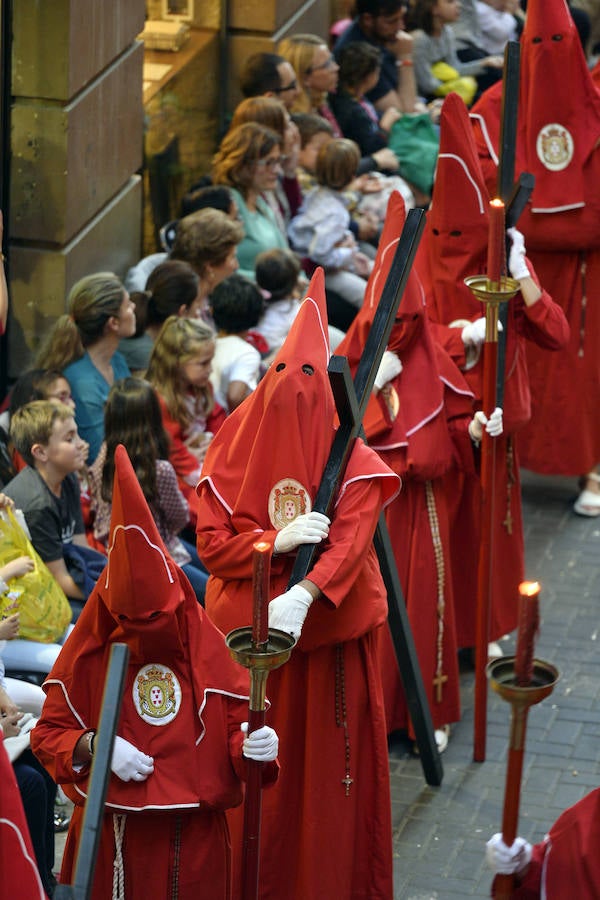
(517, 265)
(262, 744)
(130, 764)
(288, 611)
(311, 528)
(505, 860)
(493, 425)
(389, 367)
(473, 334)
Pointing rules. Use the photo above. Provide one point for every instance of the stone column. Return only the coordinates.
(76, 146)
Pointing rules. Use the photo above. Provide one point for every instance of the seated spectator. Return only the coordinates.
(172, 289)
(282, 285)
(320, 232)
(83, 346)
(133, 418)
(47, 491)
(360, 67)
(382, 23)
(317, 74)
(237, 305)
(179, 371)
(499, 23)
(201, 195)
(438, 69)
(249, 162)
(269, 75)
(208, 196)
(286, 197)
(468, 43)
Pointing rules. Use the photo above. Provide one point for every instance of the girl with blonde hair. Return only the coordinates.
(179, 370)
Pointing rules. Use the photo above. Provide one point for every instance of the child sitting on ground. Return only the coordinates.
(47, 491)
(237, 306)
(321, 229)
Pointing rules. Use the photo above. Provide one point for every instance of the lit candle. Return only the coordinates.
(261, 573)
(496, 241)
(529, 620)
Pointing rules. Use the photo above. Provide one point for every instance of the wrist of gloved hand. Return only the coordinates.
(288, 611)
(309, 528)
(389, 367)
(261, 745)
(517, 264)
(505, 860)
(128, 763)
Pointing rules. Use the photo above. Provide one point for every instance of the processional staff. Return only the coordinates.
(522, 681)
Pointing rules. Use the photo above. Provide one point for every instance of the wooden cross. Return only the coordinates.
(351, 399)
(87, 851)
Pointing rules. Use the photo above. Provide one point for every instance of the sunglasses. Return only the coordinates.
(289, 87)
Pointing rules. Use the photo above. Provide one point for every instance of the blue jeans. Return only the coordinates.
(195, 572)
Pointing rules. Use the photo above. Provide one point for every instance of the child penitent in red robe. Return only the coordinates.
(454, 246)
(184, 700)
(326, 827)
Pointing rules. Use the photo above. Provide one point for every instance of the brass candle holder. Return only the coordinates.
(502, 675)
(276, 652)
(492, 293)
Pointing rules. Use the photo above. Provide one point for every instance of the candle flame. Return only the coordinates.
(529, 588)
(262, 546)
(497, 202)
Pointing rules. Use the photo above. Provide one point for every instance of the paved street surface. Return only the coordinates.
(440, 833)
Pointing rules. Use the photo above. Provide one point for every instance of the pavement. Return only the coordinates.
(440, 832)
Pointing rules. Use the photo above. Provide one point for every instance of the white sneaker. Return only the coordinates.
(494, 650)
(442, 735)
(587, 504)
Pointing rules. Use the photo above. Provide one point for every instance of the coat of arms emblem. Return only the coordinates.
(288, 500)
(156, 694)
(554, 147)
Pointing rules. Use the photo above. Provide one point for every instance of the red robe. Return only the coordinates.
(565, 864)
(454, 246)
(557, 140)
(326, 827)
(426, 438)
(17, 859)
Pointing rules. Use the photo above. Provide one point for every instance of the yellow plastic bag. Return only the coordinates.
(44, 611)
(453, 83)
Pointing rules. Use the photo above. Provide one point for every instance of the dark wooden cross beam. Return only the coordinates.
(351, 399)
(87, 852)
(515, 196)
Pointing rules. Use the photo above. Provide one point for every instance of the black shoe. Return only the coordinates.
(61, 820)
